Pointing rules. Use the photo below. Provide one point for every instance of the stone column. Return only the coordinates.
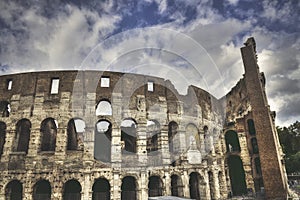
(167, 184)
(142, 142)
(116, 153)
(165, 152)
(87, 186)
(186, 184)
(216, 184)
(116, 186)
(144, 185)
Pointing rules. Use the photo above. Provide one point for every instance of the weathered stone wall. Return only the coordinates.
(78, 96)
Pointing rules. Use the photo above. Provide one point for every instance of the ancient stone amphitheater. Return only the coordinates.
(110, 135)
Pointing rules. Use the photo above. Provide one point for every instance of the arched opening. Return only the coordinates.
(254, 145)
(14, 190)
(237, 175)
(176, 186)
(48, 134)
(128, 136)
(72, 190)
(4, 108)
(172, 131)
(22, 136)
(128, 188)
(192, 136)
(104, 108)
(153, 133)
(211, 184)
(2, 136)
(42, 190)
(251, 127)
(194, 186)
(155, 186)
(75, 130)
(102, 143)
(232, 141)
(101, 189)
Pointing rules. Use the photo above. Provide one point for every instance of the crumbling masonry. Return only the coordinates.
(64, 135)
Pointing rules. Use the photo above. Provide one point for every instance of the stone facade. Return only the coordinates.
(109, 135)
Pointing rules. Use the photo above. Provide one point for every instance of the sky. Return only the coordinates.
(186, 41)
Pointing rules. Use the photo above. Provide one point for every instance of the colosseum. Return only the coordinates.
(133, 137)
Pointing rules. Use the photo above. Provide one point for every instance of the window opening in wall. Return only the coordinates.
(251, 127)
(172, 131)
(54, 85)
(102, 143)
(257, 165)
(9, 84)
(48, 134)
(22, 136)
(105, 81)
(104, 108)
(153, 132)
(2, 136)
(232, 141)
(75, 130)
(254, 145)
(4, 108)
(150, 86)
(128, 135)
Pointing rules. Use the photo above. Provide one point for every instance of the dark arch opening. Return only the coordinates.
(194, 186)
(101, 189)
(251, 127)
(237, 175)
(42, 190)
(72, 190)
(2, 136)
(128, 188)
(176, 186)
(75, 133)
(154, 186)
(22, 135)
(14, 190)
(172, 131)
(128, 135)
(5, 108)
(48, 134)
(232, 141)
(102, 143)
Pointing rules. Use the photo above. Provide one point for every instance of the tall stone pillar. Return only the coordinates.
(165, 153)
(271, 162)
(116, 186)
(142, 142)
(216, 184)
(186, 184)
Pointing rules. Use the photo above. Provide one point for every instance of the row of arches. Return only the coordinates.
(101, 189)
(103, 135)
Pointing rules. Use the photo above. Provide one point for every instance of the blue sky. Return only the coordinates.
(52, 35)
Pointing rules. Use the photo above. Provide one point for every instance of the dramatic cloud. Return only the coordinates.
(46, 35)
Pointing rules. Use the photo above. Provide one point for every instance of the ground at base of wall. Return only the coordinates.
(167, 198)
